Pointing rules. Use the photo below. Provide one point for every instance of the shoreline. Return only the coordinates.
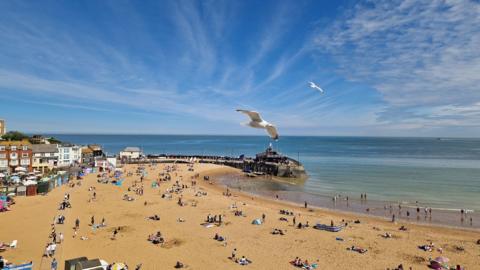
(271, 198)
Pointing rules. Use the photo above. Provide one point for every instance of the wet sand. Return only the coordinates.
(30, 223)
(289, 191)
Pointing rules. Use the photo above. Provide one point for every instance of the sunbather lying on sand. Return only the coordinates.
(154, 217)
(358, 249)
(243, 261)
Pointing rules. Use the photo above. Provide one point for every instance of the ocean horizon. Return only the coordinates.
(435, 172)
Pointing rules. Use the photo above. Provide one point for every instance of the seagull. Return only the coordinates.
(315, 86)
(258, 122)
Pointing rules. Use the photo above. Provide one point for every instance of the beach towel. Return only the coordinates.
(26, 266)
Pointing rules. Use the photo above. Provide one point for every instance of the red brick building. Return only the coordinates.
(15, 154)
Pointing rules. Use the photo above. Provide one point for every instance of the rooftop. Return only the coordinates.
(44, 148)
(131, 149)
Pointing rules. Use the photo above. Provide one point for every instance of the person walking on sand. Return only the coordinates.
(306, 205)
(60, 236)
(393, 218)
(54, 264)
(114, 234)
(234, 254)
(77, 223)
(294, 221)
(263, 218)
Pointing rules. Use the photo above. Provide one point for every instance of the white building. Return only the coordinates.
(69, 154)
(45, 157)
(130, 153)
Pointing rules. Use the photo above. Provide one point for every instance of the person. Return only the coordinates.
(306, 204)
(92, 220)
(393, 218)
(179, 265)
(263, 217)
(115, 234)
(234, 254)
(294, 221)
(54, 264)
(77, 223)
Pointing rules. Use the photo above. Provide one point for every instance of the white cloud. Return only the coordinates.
(419, 54)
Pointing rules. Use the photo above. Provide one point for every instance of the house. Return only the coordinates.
(39, 139)
(45, 157)
(106, 162)
(87, 155)
(69, 154)
(97, 150)
(130, 153)
(15, 154)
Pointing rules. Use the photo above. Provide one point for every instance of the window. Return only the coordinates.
(24, 155)
(13, 162)
(25, 161)
(2, 147)
(3, 155)
(66, 156)
(3, 163)
(25, 148)
(13, 155)
(13, 148)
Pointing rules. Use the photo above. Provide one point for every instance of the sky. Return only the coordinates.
(388, 68)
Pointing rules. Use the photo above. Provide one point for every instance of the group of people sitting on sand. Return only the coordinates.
(303, 264)
(430, 247)
(286, 212)
(156, 238)
(219, 238)
(278, 231)
(127, 198)
(214, 219)
(154, 217)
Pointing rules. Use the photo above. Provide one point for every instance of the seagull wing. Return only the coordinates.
(252, 114)
(272, 130)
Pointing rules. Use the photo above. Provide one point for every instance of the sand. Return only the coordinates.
(191, 243)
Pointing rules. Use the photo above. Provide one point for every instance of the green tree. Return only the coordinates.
(14, 136)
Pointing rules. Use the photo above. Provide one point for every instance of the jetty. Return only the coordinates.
(268, 162)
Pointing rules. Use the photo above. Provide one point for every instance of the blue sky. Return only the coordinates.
(389, 68)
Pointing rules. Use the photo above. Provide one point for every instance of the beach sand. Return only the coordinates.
(30, 221)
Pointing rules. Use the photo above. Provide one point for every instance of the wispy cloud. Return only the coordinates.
(418, 54)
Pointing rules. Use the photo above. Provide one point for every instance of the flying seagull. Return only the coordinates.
(315, 86)
(256, 121)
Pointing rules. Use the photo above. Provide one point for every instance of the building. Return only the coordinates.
(45, 157)
(15, 154)
(130, 153)
(87, 155)
(39, 139)
(97, 150)
(69, 154)
(3, 128)
(106, 162)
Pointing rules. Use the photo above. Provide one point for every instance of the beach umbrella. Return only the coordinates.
(29, 183)
(20, 169)
(442, 260)
(118, 266)
(2, 175)
(31, 178)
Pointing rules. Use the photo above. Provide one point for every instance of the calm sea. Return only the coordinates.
(441, 173)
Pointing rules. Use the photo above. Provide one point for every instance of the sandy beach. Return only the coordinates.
(191, 243)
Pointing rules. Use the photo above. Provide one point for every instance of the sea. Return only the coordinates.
(438, 173)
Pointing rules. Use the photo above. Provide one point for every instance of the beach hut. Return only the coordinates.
(21, 190)
(31, 190)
